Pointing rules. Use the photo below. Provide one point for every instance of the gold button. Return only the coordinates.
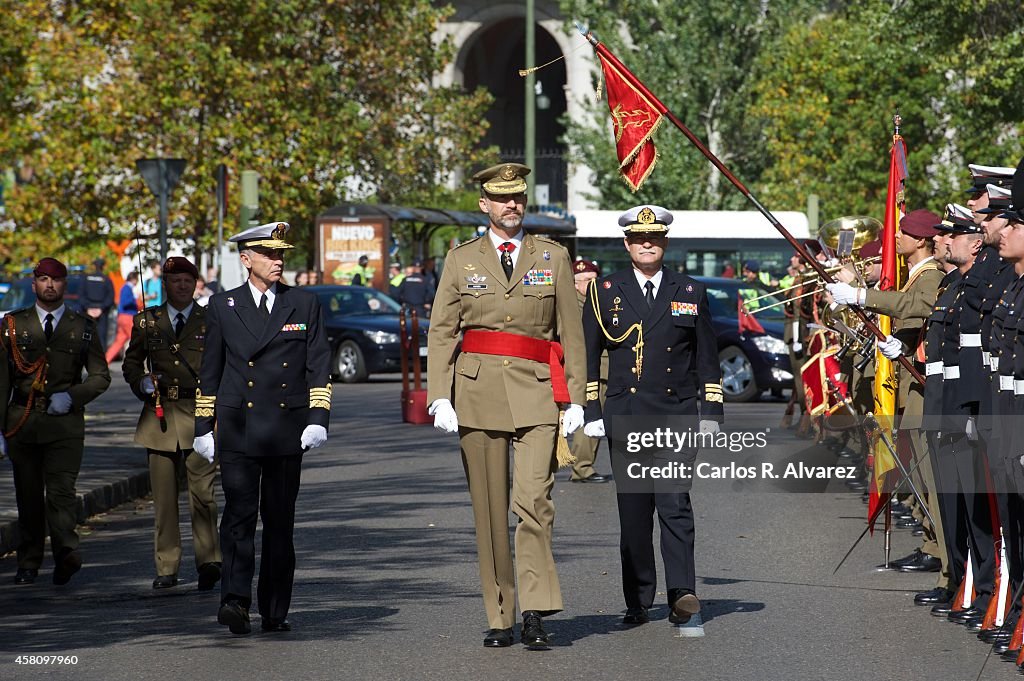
(176, 362)
(669, 349)
(508, 318)
(284, 385)
(632, 390)
(175, 380)
(505, 362)
(507, 296)
(668, 390)
(252, 364)
(668, 370)
(477, 294)
(249, 404)
(282, 406)
(285, 365)
(250, 384)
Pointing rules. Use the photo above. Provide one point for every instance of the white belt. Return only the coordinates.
(993, 362)
(986, 358)
(932, 368)
(1006, 382)
(950, 372)
(970, 340)
(1018, 387)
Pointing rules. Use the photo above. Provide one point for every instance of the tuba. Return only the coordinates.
(847, 234)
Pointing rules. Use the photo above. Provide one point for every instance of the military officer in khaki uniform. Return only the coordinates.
(584, 447)
(510, 298)
(910, 308)
(44, 350)
(162, 368)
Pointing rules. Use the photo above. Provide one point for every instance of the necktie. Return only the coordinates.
(649, 297)
(264, 310)
(179, 324)
(48, 327)
(506, 258)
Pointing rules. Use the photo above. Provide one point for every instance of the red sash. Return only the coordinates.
(524, 347)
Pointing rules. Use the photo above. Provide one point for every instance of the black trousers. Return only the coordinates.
(966, 514)
(266, 485)
(639, 571)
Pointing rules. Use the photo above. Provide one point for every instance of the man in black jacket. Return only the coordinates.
(265, 382)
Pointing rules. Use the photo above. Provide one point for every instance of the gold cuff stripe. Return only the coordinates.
(713, 397)
(592, 384)
(205, 401)
(322, 404)
(592, 395)
(204, 412)
(712, 387)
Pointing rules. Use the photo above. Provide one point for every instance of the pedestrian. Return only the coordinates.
(584, 447)
(202, 294)
(162, 368)
(314, 277)
(152, 288)
(127, 306)
(44, 350)
(395, 278)
(415, 293)
(363, 275)
(97, 298)
(669, 369)
(510, 297)
(302, 278)
(266, 387)
(212, 284)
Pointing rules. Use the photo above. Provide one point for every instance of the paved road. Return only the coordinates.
(387, 585)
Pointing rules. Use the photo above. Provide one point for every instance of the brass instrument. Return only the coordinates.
(816, 283)
(847, 234)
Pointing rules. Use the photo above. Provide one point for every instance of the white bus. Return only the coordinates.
(700, 242)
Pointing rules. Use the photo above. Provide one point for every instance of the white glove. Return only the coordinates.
(146, 385)
(3, 445)
(709, 426)
(572, 420)
(60, 404)
(798, 347)
(972, 429)
(313, 436)
(203, 446)
(844, 294)
(890, 348)
(445, 419)
(594, 428)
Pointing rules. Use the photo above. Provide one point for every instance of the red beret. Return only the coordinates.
(871, 249)
(581, 266)
(179, 265)
(920, 223)
(51, 267)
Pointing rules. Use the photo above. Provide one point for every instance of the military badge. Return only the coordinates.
(539, 278)
(293, 327)
(231, 302)
(679, 309)
(615, 320)
(278, 232)
(469, 268)
(547, 255)
(476, 279)
(689, 288)
(607, 284)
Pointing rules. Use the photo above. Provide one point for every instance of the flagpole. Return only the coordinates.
(797, 246)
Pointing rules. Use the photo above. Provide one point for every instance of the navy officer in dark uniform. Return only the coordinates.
(663, 361)
(265, 383)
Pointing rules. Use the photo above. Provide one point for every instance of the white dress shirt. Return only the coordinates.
(517, 240)
(642, 280)
(258, 294)
(57, 314)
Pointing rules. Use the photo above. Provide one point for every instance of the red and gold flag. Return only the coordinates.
(635, 117)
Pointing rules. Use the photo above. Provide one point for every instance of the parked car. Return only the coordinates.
(21, 294)
(363, 330)
(751, 362)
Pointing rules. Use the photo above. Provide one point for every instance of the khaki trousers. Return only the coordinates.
(934, 543)
(486, 462)
(584, 447)
(164, 473)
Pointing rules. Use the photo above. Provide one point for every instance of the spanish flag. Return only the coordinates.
(886, 381)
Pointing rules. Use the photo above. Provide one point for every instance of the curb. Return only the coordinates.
(97, 500)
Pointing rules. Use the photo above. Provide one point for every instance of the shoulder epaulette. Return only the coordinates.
(466, 243)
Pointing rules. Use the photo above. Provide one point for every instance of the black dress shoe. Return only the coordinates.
(209, 575)
(274, 624)
(26, 576)
(533, 635)
(965, 615)
(974, 624)
(165, 581)
(593, 477)
(67, 565)
(917, 532)
(925, 563)
(637, 615)
(995, 635)
(907, 559)
(942, 609)
(683, 608)
(235, 617)
(1010, 653)
(498, 638)
(937, 595)
(908, 524)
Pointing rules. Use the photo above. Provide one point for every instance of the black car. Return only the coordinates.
(363, 330)
(751, 362)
